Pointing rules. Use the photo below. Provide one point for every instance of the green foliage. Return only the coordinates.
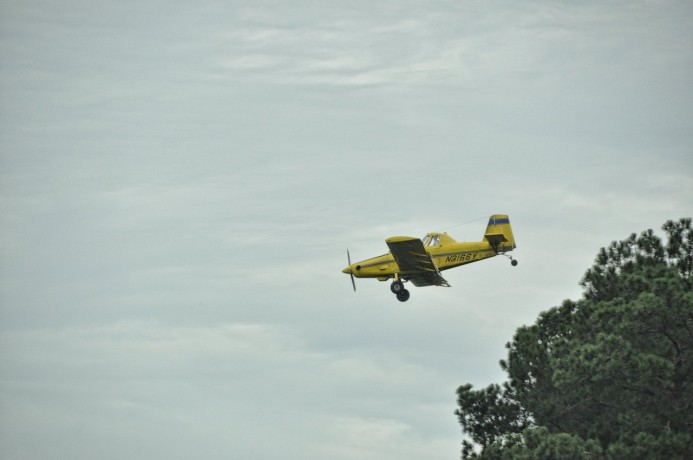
(608, 376)
(621, 269)
(540, 444)
(491, 413)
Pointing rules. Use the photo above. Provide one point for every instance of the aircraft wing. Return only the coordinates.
(415, 264)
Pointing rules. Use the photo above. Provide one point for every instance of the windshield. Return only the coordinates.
(431, 240)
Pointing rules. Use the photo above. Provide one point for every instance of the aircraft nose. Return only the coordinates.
(348, 271)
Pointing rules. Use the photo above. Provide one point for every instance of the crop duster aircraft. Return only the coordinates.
(421, 261)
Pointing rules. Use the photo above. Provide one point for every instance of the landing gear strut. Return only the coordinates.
(513, 262)
(397, 288)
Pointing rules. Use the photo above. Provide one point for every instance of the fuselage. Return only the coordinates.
(444, 251)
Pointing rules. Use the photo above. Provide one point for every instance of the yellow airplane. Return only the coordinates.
(421, 261)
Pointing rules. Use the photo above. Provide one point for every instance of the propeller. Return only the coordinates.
(353, 283)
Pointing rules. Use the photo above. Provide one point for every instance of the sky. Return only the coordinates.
(180, 183)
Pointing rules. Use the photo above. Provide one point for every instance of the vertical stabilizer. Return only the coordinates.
(499, 233)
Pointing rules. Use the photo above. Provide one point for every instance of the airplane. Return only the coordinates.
(421, 260)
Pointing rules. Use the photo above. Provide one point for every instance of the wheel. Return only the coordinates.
(396, 287)
(403, 295)
(513, 263)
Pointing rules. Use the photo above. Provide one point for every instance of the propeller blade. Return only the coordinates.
(353, 283)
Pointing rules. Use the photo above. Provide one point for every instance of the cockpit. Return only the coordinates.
(431, 240)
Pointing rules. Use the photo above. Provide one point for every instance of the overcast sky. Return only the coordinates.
(180, 181)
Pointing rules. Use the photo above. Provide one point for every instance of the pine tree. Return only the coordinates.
(608, 376)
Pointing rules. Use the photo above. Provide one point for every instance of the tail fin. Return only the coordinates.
(499, 233)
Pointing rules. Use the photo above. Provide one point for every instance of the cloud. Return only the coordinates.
(353, 437)
(179, 378)
(365, 438)
(179, 189)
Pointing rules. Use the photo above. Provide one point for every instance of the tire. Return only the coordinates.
(396, 287)
(403, 295)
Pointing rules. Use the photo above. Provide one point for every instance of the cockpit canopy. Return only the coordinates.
(431, 239)
(436, 240)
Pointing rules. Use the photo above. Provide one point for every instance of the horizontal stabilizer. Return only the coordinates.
(495, 238)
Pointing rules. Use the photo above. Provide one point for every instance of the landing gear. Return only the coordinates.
(513, 262)
(403, 295)
(397, 288)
